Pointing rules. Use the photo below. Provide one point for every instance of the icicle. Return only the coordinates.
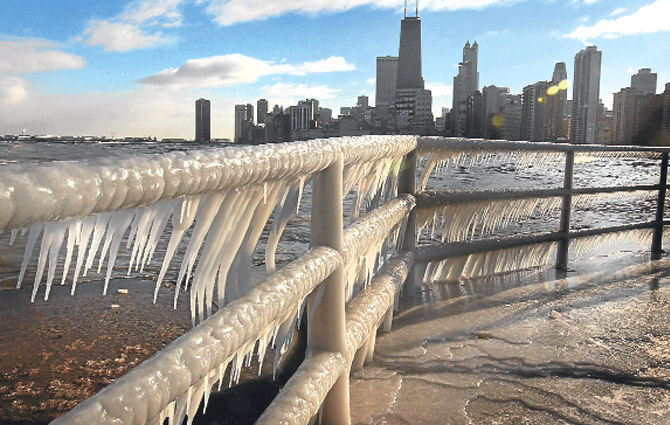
(30, 246)
(74, 230)
(180, 222)
(283, 213)
(12, 236)
(87, 226)
(98, 232)
(54, 249)
(207, 210)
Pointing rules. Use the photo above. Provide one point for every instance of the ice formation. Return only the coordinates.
(490, 262)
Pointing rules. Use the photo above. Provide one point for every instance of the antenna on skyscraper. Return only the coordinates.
(417, 8)
(405, 8)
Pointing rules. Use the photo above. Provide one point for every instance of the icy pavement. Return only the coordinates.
(534, 348)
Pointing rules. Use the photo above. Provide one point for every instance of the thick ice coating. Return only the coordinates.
(188, 367)
(56, 191)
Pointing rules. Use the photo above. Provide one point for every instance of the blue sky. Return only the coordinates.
(76, 67)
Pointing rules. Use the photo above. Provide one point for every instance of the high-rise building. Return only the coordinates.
(557, 97)
(665, 120)
(560, 73)
(624, 115)
(493, 102)
(387, 75)
(465, 83)
(261, 110)
(585, 95)
(644, 81)
(244, 119)
(202, 120)
(510, 112)
(474, 117)
(534, 111)
(413, 103)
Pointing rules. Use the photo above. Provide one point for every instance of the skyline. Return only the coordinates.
(136, 68)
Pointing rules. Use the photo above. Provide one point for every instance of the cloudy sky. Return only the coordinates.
(77, 67)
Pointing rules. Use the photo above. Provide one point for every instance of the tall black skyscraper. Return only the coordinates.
(202, 120)
(409, 54)
(412, 102)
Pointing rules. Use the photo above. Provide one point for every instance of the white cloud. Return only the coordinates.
(618, 11)
(647, 19)
(229, 12)
(228, 70)
(286, 93)
(440, 90)
(20, 56)
(371, 81)
(134, 27)
(121, 36)
(156, 12)
(13, 89)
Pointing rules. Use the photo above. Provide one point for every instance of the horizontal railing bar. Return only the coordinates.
(375, 226)
(150, 387)
(60, 190)
(431, 144)
(435, 252)
(302, 396)
(366, 311)
(427, 199)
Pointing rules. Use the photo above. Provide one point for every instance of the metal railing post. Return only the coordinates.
(566, 211)
(657, 240)
(407, 184)
(326, 329)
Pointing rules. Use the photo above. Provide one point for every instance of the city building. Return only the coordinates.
(387, 75)
(534, 111)
(644, 81)
(665, 120)
(202, 120)
(474, 118)
(493, 105)
(413, 103)
(557, 98)
(261, 110)
(585, 95)
(624, 107)
(465, 83)
(510, 112)
(244, 120)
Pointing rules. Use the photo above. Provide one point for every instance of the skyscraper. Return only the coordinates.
(644, 81)
(261, 110)
(465, 83)
(413, 103)
(557, 97)
(534, 111)
(202, 120)
(387, 75)
(244, 117)
(585, 95)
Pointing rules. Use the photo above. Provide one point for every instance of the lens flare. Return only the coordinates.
(497, 121)
(563, 85)
(540, 99)
(552, 90)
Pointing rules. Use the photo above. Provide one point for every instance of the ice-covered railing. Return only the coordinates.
(214, 205)
(456, 218)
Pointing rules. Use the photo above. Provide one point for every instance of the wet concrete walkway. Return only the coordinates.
(592, 348)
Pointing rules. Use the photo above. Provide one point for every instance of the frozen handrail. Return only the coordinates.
(56, 191)
(433, 144)
(305, 391)
(150, 389)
